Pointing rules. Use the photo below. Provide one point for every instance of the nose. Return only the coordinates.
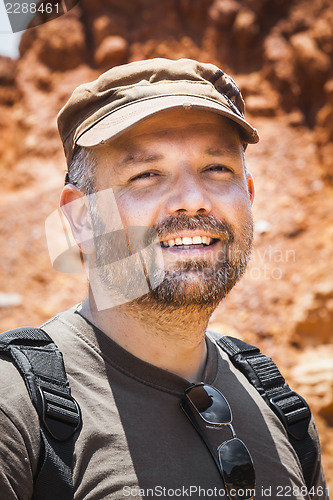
(188, 194)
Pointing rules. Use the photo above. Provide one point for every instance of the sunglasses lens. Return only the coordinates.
(210, 403)
(238, 471)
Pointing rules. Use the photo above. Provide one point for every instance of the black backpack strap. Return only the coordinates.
(41, 364)
(290, 407)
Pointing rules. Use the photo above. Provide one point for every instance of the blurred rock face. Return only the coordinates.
(280, 53)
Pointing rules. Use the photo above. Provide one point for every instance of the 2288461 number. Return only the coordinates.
(31, 8)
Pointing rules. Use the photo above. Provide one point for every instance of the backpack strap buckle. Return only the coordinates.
(293, 411)
(60, 413)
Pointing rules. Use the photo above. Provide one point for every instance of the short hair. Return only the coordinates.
(81, 172)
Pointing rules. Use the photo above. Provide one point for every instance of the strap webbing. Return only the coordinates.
(41, 364)
(290, 407)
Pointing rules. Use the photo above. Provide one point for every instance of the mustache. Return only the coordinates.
(120, 243)
(217, 228)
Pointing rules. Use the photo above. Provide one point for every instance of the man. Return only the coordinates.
(159, 202)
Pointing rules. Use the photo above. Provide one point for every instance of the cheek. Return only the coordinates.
(138, 210)
(233, 203)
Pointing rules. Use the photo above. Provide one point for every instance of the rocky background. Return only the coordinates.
(280, 53)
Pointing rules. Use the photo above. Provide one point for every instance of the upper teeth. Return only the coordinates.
(196, 240)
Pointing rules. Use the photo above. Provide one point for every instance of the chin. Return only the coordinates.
(194, 288)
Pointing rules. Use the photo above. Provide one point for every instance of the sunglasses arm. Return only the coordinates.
(185, 406)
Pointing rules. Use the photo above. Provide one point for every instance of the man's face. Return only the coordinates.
(182, 174)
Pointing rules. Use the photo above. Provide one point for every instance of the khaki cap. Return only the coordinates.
(126, 95)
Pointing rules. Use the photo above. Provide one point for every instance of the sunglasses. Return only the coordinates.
(233, 459)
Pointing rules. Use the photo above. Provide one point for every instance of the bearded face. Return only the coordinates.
(183, 203)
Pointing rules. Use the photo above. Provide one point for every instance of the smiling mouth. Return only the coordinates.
(187, 243)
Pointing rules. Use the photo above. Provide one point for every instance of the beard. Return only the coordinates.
(196, 283)
(201, 282)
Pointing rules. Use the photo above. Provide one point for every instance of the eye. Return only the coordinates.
(219, 168)
(143, 175)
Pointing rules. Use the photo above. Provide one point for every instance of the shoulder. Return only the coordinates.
(74, 336)
(20, 434)
(19, 422)
(255, 375)
(15, 404)
(14, 398)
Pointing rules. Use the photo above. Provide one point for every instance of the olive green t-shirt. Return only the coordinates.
(135, 441)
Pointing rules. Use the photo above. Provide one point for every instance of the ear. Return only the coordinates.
(250, 186)
(75, 206)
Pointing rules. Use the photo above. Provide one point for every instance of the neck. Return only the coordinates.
(170, 337)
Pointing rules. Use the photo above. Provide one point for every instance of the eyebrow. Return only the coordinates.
(216, 151)
(140, 157)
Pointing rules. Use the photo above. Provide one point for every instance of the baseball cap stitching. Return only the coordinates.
(128, 104)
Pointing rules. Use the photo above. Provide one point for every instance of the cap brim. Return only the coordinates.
(134, 112)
